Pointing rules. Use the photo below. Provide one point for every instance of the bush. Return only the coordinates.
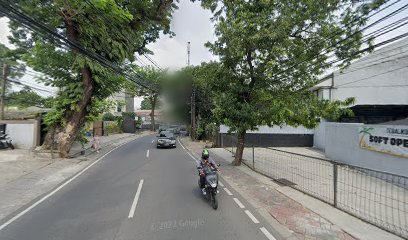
(111, 127)
(131, 115)
(108, 117)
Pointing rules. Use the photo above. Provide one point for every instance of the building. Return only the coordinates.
(123, 103)
(378, 82)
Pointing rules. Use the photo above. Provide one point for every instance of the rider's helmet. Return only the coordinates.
(205, 154)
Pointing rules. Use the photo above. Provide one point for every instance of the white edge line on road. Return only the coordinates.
(221, 184)
(181, 144)
(251, 216)
(239, 203)
(134, 204)
(55, 190)
(228, 191)
(147, 153)
(267, 233)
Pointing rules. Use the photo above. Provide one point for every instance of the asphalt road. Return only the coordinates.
(138, 192)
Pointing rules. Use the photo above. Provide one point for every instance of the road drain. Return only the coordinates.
(284, 182)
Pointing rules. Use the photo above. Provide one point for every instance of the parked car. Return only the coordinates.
(166, 139)
(174, 129)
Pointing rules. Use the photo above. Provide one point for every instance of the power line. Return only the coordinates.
(358, 52)
(323, 51)
(36, 25)
(366, 78)
(27, 85)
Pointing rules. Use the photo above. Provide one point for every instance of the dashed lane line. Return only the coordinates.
(136, 199)
(239, 203)
(228, 191)
(251, 216)
(267, 233)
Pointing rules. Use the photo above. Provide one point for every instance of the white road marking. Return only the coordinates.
(133, 208)
(221, 184)
(252, 217)
(56, 190)
(267, 233)
(153, 141)
(147, 153)
(192, 156)
(228, 191)
(239, 203)
(181, 144)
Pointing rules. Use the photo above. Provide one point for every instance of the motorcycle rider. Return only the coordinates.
(205, 159)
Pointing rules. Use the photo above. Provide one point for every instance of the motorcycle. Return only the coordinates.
(5, 141)
(211, 185)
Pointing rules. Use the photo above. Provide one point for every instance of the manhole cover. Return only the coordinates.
(284, 182)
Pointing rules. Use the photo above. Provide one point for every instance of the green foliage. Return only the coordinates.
(108, 117)
(146, 104)
(259, 42)
(14, 68)
(81, 137)
(116, 30)
(131, 115)
(25, 98)
(119, 121)
(112, 127)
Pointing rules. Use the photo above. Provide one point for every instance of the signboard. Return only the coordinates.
(390, 140)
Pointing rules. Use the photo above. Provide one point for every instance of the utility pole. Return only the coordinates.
(188, 53)
(3, 90)
(192, 104)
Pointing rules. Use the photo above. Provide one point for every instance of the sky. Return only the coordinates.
(191, 23)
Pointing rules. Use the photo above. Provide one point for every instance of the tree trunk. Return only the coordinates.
(153, 103)
(240, 148)
(50, 138)
(75, 119)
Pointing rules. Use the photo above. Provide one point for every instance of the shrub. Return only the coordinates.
(108, 117)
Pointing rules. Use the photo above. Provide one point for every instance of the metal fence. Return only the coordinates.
(376, 197)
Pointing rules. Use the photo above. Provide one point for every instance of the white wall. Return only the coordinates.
(379, 78)
(24, 134)
(342, 145)
(319, 137)
(275, 130)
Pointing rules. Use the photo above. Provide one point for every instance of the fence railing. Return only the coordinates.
(376, 197)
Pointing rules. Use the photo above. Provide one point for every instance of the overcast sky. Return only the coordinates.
(192, 23)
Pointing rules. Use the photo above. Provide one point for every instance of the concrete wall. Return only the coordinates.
(274, 130)
(25, 134)
(342, 145)
(319, 137)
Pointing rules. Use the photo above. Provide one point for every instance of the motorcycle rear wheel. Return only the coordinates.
(10, 145)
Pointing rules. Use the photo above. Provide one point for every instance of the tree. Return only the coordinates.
(145, 104)
(271, 54)
(155, 77)
(9, 68)
(26, 98)
(115, 30)
(178, 93)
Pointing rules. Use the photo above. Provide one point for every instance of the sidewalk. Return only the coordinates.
(294, 214)
(23, 179)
